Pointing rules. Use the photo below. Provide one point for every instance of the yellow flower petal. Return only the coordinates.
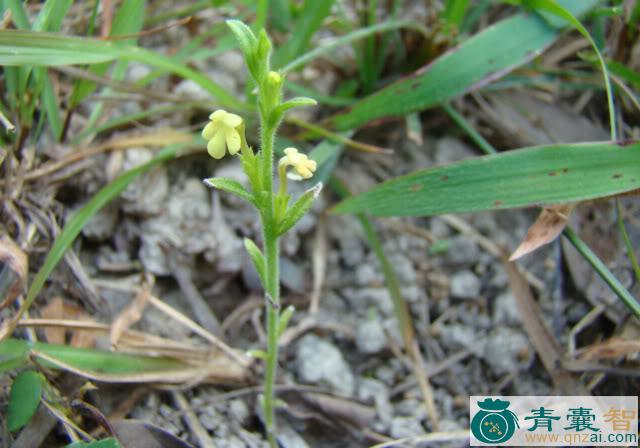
(233, 140)
(209, 130)
(232, 120)
(216, 146)
(218, 116)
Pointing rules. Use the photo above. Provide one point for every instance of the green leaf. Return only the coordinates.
(531, 176)
(294, 102)
(230, 186)
(49, 49)
(284, 319)
(478, 61)
(104, 443)
(51, 16)
(91, 362)
(298, 209)
(245, 37)
(24, 399)
(258, 259)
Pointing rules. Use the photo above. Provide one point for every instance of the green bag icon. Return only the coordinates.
(494, 423)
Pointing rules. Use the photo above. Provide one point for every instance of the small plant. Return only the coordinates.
(226, 132)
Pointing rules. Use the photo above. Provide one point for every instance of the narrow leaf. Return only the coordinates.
(245, 37)
(24, 399)
(104, 443)
(230, 186)
(284, 319)
(541, 175)
(258, 259)
(294, 102)
(298, 209)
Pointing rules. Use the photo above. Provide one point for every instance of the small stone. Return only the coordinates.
(505, 310)
(366, 275)
(362, 299)
(370, 337)
(461, 252)
(455, 336)
(373, 390)
(403, 268)
(465, 285)
(101, 226)
(507, 350)
(402, 427)
(238, 409)
(319, 361)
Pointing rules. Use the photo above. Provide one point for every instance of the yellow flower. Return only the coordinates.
(223, 131)
(300, 162)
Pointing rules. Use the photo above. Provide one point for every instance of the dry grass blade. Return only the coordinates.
(547, 227)
(154, 139)
(13, 271)
(131, 314)
(543, 341)
(610, 349)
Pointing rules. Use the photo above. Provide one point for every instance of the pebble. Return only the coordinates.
(507, 350)
(455, 336)
(370, 336)
(465, 285)
(505, 310)
(318, 361)
(370, 389)
(402, 427)
(363, 298)
(462, 252)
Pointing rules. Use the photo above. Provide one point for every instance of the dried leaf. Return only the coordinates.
(550, 223)
(59, 309)
(13, 271)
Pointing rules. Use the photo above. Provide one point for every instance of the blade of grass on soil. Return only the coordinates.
(478, 61)
(541, 175)
(49, 49)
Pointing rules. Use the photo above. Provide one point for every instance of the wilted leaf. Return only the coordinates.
(550, 223)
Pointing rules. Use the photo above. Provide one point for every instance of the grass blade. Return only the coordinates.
(47, 49)
(478, 61)
(542, 175)
(604, 272)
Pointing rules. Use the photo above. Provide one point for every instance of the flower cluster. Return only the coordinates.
(224, 132)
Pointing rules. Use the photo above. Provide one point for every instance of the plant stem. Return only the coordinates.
(272, 280)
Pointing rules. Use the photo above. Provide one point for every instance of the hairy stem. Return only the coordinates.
(272, 280)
